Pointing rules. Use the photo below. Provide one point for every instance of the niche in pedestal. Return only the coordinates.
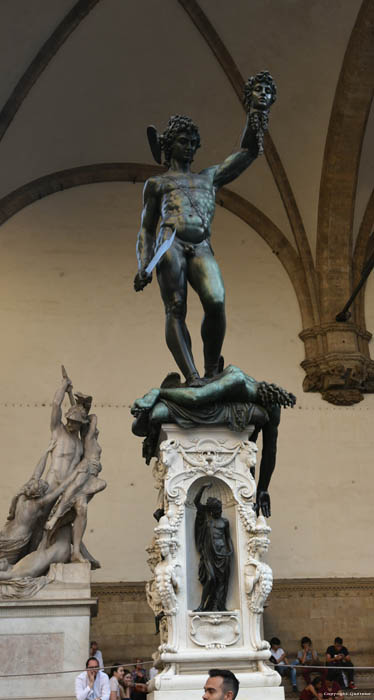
(221, 491)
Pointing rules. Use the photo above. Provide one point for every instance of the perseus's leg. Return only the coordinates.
(172, 278)
(205, 277)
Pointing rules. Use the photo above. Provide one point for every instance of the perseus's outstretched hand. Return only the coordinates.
(263, 504)
(141, 280)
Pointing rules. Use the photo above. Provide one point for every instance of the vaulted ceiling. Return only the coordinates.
(82, 80)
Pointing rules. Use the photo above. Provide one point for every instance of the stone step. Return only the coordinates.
(364, 686)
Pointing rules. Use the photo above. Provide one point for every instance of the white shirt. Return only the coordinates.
(114, 685)
(98, 655)
(100, 688)
(277, 654)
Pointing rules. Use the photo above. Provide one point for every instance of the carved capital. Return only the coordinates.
(337, 362)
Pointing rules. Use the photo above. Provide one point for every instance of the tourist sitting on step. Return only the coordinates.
(312, 690)
(127, 685)
(307, 657)
(337, 656)
(280, 661)
(92, 683)
(331, 690)
(139, 677)
(116, 676)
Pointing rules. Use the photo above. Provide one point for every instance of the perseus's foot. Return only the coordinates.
(195, 381)
(215, 369)
(146, 403)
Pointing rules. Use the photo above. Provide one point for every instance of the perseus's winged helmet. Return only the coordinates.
(154, 140)
(163, 142)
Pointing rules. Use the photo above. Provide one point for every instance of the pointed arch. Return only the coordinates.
(360, 253)
(139, 172)
(224, 58)
(49, 49)
(353, 97)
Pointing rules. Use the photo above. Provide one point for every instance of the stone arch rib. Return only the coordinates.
(278, 244)
(139, 172)
(224, 58)
(359, 257)
(344, 140)
(70, 22)
(73, 177)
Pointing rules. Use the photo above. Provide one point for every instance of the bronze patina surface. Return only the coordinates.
(183, 201)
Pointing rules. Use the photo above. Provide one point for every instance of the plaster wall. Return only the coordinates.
(67, 264)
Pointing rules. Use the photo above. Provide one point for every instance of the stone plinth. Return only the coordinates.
(46, 633)
(192, 641)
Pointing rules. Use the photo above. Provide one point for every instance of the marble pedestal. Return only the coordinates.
(46, 633)
(193, 642)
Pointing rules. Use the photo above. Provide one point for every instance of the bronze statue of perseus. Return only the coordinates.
(184, 203)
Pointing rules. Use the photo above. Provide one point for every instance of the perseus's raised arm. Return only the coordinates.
(150, 215)
(260, 93)
(235, 164)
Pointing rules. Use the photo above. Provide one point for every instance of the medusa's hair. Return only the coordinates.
(177, 124)
(262, 77)
(269, 395)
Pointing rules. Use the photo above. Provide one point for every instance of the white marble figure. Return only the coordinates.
(25, 511)
(158, 473)
(67, 449)
(75, 463)
(166, 576)
(81, 489)
(153, 596)
(37, 563)
(258, 579)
